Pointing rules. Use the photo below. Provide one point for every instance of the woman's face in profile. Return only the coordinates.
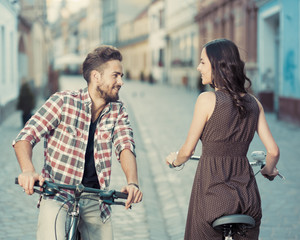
(205, 68)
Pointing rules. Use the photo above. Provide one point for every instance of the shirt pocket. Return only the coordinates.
(105, 131)
(68, 134)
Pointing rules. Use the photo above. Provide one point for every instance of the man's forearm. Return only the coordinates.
(128, 163)
(23, 150)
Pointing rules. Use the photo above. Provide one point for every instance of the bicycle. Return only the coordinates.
(51, 189)
(233, 224)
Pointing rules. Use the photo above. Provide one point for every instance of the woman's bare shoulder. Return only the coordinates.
(207, 97)
(208, 94)
(206, 103)
(258, 102)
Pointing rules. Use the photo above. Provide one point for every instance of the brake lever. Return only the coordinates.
(110, 202)
(38, 191)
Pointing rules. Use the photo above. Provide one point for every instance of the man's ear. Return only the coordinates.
(95, 75)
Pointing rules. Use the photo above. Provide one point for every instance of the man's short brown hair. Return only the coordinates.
(97, 58)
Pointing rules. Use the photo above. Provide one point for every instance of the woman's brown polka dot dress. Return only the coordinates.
(224, 182)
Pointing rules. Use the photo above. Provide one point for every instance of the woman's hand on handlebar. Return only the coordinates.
(171, 158)
(27, 180)
(269, 174)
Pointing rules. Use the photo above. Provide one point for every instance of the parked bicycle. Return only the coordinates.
(231, 225)
(71, 226)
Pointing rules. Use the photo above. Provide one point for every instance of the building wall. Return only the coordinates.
(182, 43)
(114, 14)
(109, 22)
(278, 55)
(235, 20)
(9, 84)
(33, 44)
(157, 41)
(93, 25)
(39, 60)
(134, 46)
(136, 61)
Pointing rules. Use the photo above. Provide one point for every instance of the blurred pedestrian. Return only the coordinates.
(79, 128)
(225, 121)
(26, 102)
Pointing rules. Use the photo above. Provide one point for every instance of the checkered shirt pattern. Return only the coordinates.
(64, 122)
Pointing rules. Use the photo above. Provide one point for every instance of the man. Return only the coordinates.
(79, 128)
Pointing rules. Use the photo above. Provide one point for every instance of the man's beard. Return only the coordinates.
(108, 97)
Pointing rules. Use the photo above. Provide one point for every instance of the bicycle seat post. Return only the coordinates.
(233, 224)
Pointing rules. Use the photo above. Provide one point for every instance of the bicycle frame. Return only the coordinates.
(72, 223)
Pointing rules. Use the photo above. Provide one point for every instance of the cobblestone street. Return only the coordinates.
(160, 116)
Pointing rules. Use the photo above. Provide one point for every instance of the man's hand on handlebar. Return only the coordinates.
(27, 180)
(134, 194)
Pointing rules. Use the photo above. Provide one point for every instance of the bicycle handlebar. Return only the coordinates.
(257, 156)
(50, 189)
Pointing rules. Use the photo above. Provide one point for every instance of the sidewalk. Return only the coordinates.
(18, 211)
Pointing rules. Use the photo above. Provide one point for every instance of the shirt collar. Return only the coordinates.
(86, 96)
(88, 101)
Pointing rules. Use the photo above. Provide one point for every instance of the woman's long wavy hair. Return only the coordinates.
(228, 71)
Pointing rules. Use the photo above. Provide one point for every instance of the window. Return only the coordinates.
(161, 62)
(3, 55)
(161, 19)
(12, 55)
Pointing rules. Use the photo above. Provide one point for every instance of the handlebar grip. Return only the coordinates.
(36, 184)
(121, 195)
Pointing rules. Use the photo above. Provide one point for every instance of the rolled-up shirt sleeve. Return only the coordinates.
(123, 134)
(43, 121)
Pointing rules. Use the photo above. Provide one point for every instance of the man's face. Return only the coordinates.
(110, 81)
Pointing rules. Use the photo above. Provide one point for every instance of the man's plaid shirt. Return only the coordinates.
(64, 122)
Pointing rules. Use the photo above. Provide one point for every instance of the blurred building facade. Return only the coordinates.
(279, 57)
(93, 23)
(70, 34)
(9, 77)
(125, 25)
(235, 20)
(133, 42)
(114, 14)
(157, 41)
(24, 48)
(161, 41)
(182, 43)
(34, 43)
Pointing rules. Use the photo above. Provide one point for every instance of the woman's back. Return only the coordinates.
(225, 125)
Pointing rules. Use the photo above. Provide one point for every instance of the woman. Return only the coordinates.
(225, 120)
